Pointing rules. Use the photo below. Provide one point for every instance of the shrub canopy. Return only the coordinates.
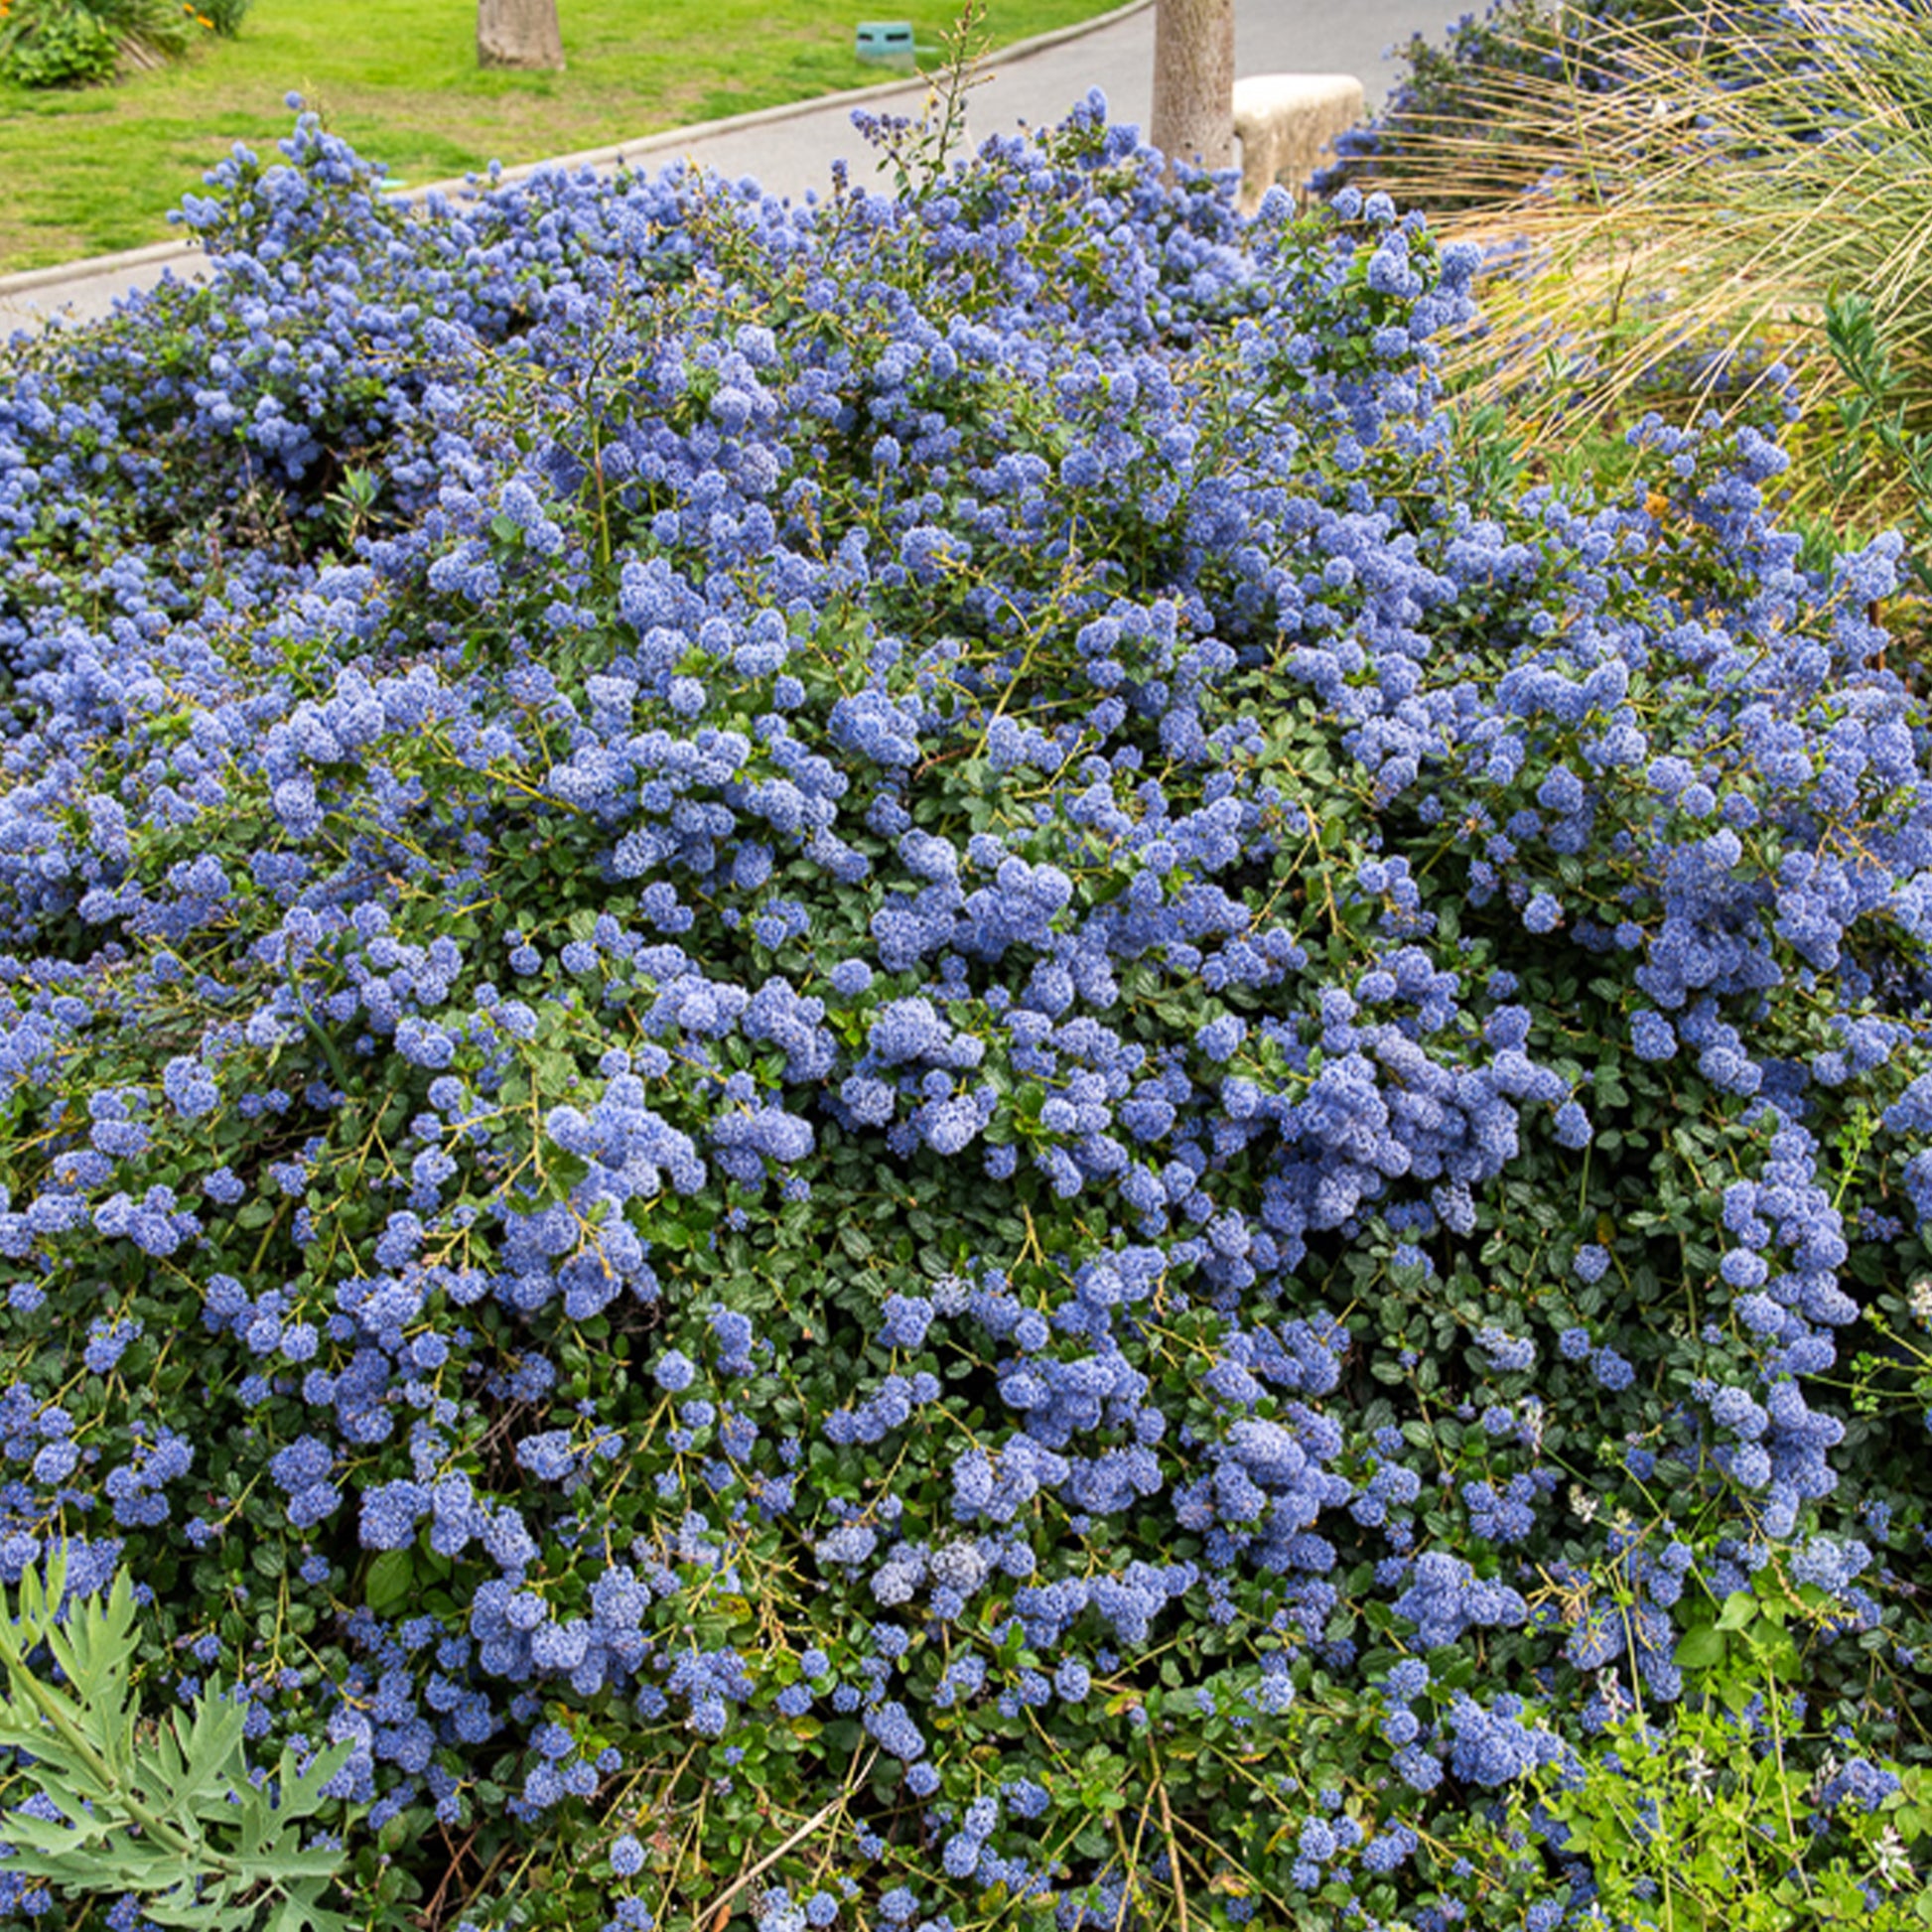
(872, 1043)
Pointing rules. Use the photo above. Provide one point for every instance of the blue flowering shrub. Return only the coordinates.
(860, 1068)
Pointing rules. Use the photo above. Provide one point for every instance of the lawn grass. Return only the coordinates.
(96, 168)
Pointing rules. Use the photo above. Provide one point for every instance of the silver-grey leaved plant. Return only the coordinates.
(166, 1811)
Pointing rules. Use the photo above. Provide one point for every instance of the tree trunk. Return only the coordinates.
(1193, 82)
(519, 33)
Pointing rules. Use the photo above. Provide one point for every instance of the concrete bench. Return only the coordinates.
(1284, 121)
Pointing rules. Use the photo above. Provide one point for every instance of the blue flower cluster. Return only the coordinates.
(926, 1042)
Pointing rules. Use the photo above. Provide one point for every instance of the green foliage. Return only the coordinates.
(1880, 435)
(56, 43)
(167, 1812)
(79, 42)
(1708, 1822)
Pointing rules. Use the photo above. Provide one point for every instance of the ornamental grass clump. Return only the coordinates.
(865, 1069)
(1446, 97)
(1685, 188)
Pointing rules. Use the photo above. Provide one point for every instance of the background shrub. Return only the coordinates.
(56, 43)
(1437, 139)
(864, 1065)
(78, 42)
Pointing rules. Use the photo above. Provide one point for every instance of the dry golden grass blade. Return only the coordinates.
(1718, 196)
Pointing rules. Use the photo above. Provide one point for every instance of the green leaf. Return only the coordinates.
(301, 1908)
(42, 1834)
(212, 1736)
(302, 1790)
(1702, 1648)
(392, 1577)
(1740, 1611)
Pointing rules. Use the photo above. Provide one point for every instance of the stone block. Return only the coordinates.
(1284, 121)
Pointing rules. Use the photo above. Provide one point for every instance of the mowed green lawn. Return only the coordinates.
(88, 171)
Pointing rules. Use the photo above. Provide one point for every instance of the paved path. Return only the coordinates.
(791, 149)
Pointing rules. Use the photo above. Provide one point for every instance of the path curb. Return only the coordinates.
(24, 280)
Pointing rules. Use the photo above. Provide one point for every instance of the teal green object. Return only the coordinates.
(885, 40)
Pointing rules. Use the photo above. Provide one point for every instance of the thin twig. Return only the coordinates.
(715, 1911)
(1173, 1848)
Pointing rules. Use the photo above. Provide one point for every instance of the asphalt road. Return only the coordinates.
(792, 150)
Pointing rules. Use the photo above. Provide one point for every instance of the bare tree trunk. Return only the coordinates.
(1193, 82)
(519, 33)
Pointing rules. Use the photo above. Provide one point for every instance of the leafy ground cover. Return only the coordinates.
(871, 1068)
(97, 169)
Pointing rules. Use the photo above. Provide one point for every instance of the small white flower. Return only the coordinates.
(1583, 1503)
(1922, 1301)
(1894, 1866)
(1611, 1689)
